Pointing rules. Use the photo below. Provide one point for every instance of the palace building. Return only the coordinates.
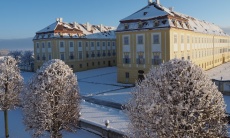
(155, 34)
(81, 46)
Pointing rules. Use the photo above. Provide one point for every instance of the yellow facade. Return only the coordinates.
(205, 50)
(79, 54)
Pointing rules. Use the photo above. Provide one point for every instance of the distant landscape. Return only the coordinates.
(226, 30)
(16, 44)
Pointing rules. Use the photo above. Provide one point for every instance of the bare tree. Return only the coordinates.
(27, 58)
(51, 100)
(11, 84)
(176, 99)
(16, 54)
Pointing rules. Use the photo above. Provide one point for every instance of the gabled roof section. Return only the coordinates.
(151, 11)
(49, 28)
(155, 16)
(61, 29)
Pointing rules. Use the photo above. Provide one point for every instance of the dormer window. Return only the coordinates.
(145, 13)
(181, 24)
(187, 25)
(140, 24)
(174, 22)
(156, 23)
(126, 26)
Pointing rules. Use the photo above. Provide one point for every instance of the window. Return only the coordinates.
(109, 53)
(114, 53)
(156, 23)
(92, 63)
(92, 44)
(98, 44)
(49, 45)
(62, 44)
(38, 57)
(98, 53)
(71, 66)
(104, 54)
(80, 55)
(92, 54)
(37, 45)
(182, 58)
(50, 56)
(126, 75)
(156, 59)
(175, 39)
(80, 65)
(103, 44)
(79, 44)
(62, 56)
(113, 43)
(188, 39)
(140, 24)
(70, 44)
(108, 43)
(71, 55)
(126, 59)
(156, 39)
(126, 40)
(104, 62)
(43, 45)
(140, 39)
(86, 44)
(140, 59)
(43, 56)
(87, 54)
(98, 63)
(126, 26)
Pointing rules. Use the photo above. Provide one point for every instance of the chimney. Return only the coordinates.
(88, 26)
(74, 24)
(60, 20)
(57, 19)
(171, 9)
(158, 2)
(150, 1)
(101, 28)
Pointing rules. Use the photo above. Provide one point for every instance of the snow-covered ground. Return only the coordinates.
(97, 115)
(220, 71)
(17, 128)
(100, 84)
(91, 113)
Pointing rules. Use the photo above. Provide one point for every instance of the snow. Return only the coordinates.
(101, 83)
(17, 128)
(220, 71)
(97, 115)
(49, 28)
(94, 33)
(154, 11)
(151, 12)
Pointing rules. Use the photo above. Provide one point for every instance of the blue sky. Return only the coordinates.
(21, 19)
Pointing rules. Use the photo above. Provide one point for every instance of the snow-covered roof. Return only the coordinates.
(61, 29)
(155, 16)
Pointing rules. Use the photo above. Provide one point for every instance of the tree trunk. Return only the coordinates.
(6, 113)
(6, 123)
